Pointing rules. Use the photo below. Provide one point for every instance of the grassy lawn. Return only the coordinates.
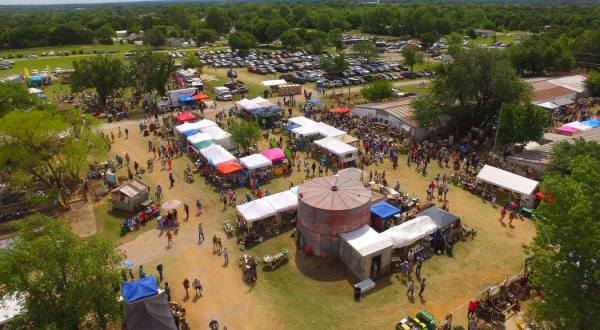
(39, 50)
(108, 223)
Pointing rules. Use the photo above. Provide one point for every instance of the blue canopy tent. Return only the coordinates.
(142, 288)
(190, 133)
(36, 81)
(381, 213)
(591, 122)
(441, 218)
(186, 98)
(255, 111)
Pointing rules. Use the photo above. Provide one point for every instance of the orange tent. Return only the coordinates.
(200, 97)
(228, 167)
(340, 110)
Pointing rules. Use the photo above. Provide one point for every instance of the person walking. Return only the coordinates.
(169, 163)
(422, 286)
(198, 207)
(214, 243)
(171, 181)
(169, 239)
(219, 245)
(186, 209)
(168, 291)
(418, 268)
(200, 233)
(141, 272)
(126, 133)
(127, 158)
(158, 192)
(186, 286)
(159, 269)
(410, 289)
(131, 277)
(197, 287)
(112, 137)
(502, 214)
(226, 256)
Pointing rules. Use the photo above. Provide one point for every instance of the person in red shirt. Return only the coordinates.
(473, 305)
(502, 214)
(169, 238)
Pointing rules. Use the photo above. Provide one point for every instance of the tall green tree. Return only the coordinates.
(191, 61)
(379, 90)
(366, 49)
(155, 37)
(65, 282)
(566, 249)
(217, 19)
(245, 134)
(104, 34)
(241, 41)
(592, 83)
(471, 89)
(16, 97)
(150, 71)
(290, 39)
(205, 35)
(336, 39)
(521, 123)
(105, 74)
(334, 66)
(411, 56)
(48, 147)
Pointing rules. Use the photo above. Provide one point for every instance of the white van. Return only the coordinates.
(222, 93)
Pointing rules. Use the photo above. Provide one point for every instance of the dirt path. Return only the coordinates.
(82, 218)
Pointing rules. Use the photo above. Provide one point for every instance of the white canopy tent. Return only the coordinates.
(410, 231)
(302, 121)
(283, 201)
(548, 105)
(329, 131)
(366, 240)
(507, 180)
(246, 104)
(306, 130)
(185, 127)
(255, 161)
(336, 146)
(294, 189)
(204, 123)
(200, 137)
(216, 154)
(220, 136)
(272, 83)
(256, 210)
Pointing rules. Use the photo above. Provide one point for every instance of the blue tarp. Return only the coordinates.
(592, 122)
(36, 79)
(314, 101)
(384, 210)
(186, 98)
(290, 127)
(190, 132)
(142, 288)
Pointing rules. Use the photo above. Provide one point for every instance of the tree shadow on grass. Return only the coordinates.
(322, 269)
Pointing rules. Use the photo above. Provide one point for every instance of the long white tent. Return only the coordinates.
(200, 137)
(336, 146)
(256, 210)
(216, 154)
(283, 201)
(329, 131)
(198, 125)
(255, 103)
(507, 180)
(220, 136)
(302, 121)
(271, 83)
(366, 240)
(410, 231)
(255, 161)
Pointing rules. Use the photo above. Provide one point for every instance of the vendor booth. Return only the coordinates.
(410, 232)
(185, 117)
(220, 136)
(336, 152)
(185, 127)
(313, 105)
(329, 131)
(277, 157)
(230, 171)
(258, 167)
(348, 139)
(216, 154)
(204, 123)
(366, 253)
(382, 215)
(523, 188)
(146, 307)
(200, 140)
(130, 196)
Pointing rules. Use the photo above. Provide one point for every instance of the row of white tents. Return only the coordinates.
(205, 130)
(308, 127)
(269, 206)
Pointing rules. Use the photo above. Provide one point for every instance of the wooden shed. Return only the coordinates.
(130, 196)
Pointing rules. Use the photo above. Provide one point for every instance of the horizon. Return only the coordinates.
(66, 2)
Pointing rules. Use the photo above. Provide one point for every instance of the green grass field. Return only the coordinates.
(96, 47)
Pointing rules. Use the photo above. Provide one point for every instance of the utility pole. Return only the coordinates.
(497, 130)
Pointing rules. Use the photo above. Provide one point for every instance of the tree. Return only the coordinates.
(105, 74)
(217, 19)
(592, 83)
(564, 153)
(48, 147)
(155, 37)
(241, 41)
(366, 49)
(336, 39)
(470, 90)
(290, 39)
(528, 57)
(65, 282)
(104, 34)
(150, 71)
(566, 248)
(192, 61)
(334, 66)
(16, 97)
(378, 91)
(427, 112)
(245, 134)
(411, 56)
(521, 123)
(206, 35)
(558, 57)
(316, 45)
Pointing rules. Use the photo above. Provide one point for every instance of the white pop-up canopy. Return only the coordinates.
(306, 130)
(410, 231)
(204, 123)
(247, 104)
(271, 83)
(185, 127)
(366, 240)
(283, 201)
(335, 146)
(507, 180)
(329, 131)
(302, 121)
(216, 154)
(256, 210)
(220, 136)
(255, 161)
(200, 137)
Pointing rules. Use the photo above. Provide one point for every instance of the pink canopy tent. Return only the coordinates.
(274, 154)
(567, 130)
(185, 117)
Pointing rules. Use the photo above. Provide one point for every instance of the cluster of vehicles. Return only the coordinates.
(260, 62)
(6, 64)
(175, 54)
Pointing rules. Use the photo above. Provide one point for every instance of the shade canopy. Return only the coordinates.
(255, 161)
(151, 313)
(302, 121)
(271, 83)
(340, 110)
(199, 137)
(283, 201)
(441, 218)
(578, 125)
(185, 116)
(185, 127)
(410, 231)
(335, 146)
(329, 131)
(200, 97)
(366, 241)
(256, 210)
(139, 289)
(216, 154)
(275, 154)
(564, 129)
(306, 130)
(228, 167)
(507, 180)
(204, 123)
(190, 133)
(384, 210)
(591, 123)
(36, 79)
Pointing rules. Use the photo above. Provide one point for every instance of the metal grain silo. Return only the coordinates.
(327, 207)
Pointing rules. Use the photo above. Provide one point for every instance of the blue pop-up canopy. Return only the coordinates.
(190, 132)
(384, 210)
(186, 98)
(36, 79)
(591, 122)
(142, 288)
